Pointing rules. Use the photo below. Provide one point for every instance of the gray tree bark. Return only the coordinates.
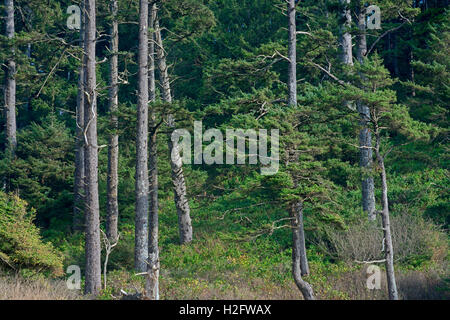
(10, 85)
(79, 182)
(365, 135)
(388, 247)
(292, 54)
(176, 164)
(299, 259)
(93, 249)
(142, 183)
(152, 284)
(297, 231)
(345, 37)
(298, 216)
(112, 208)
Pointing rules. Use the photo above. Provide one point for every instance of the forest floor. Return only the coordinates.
(230, 259)
(334, 282)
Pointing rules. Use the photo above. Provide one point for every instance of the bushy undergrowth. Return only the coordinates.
(238, 253)
(230, 265)
(21, 246)
(416, 241)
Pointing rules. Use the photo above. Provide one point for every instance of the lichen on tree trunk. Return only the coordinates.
(176, 164)
(10, 83)
(92, 214)
(142, 183)
(388, 246)
(152, 283)
(365, 135)
(112, 207)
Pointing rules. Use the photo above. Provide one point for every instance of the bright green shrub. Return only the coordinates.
(21, 246)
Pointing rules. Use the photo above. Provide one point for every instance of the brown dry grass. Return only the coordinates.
(17, 288)
(412, 285)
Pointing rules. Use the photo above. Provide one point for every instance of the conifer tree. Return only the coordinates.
(92, 207)
(112, 207)
(365, 135)
(178, 179)
(394, 118)
(152, 284)
(10, 77)
(79, 175)
(142, 183)
(299, 259)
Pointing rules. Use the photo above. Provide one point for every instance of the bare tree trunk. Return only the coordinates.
(388, 247)
(10, 85)
(304, 266)
(365, 136)
(176, 164)
(345, 37)
(297, 230)
(93, 248)
(112, 208)
(152, 285)
(142, 183)
(292, 54)
(411, 59)
(299, 259)
(361, 38)
(79, 182)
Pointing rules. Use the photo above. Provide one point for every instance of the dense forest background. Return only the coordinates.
(227, 62)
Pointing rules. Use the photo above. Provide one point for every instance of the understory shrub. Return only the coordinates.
(21, 246)
(415, 241)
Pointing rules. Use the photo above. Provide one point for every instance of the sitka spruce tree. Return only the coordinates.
(195, 19)
(91, 149)
(142, 182)
(153, 267)
(10, 76)
(365, 134)
(299, 259)
(112, 207)
(387, 119)
(178, 179)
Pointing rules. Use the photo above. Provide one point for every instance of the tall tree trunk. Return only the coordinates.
(388, 247)
(152, 285)
(112, 208)
(299, 259)
(345, 37)
(176, 164)
(292, 54)
(10, 85)
(79, 182)
(298, 216)
(297, 231)
(365, 136)
(142, 183)
(93, 249)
